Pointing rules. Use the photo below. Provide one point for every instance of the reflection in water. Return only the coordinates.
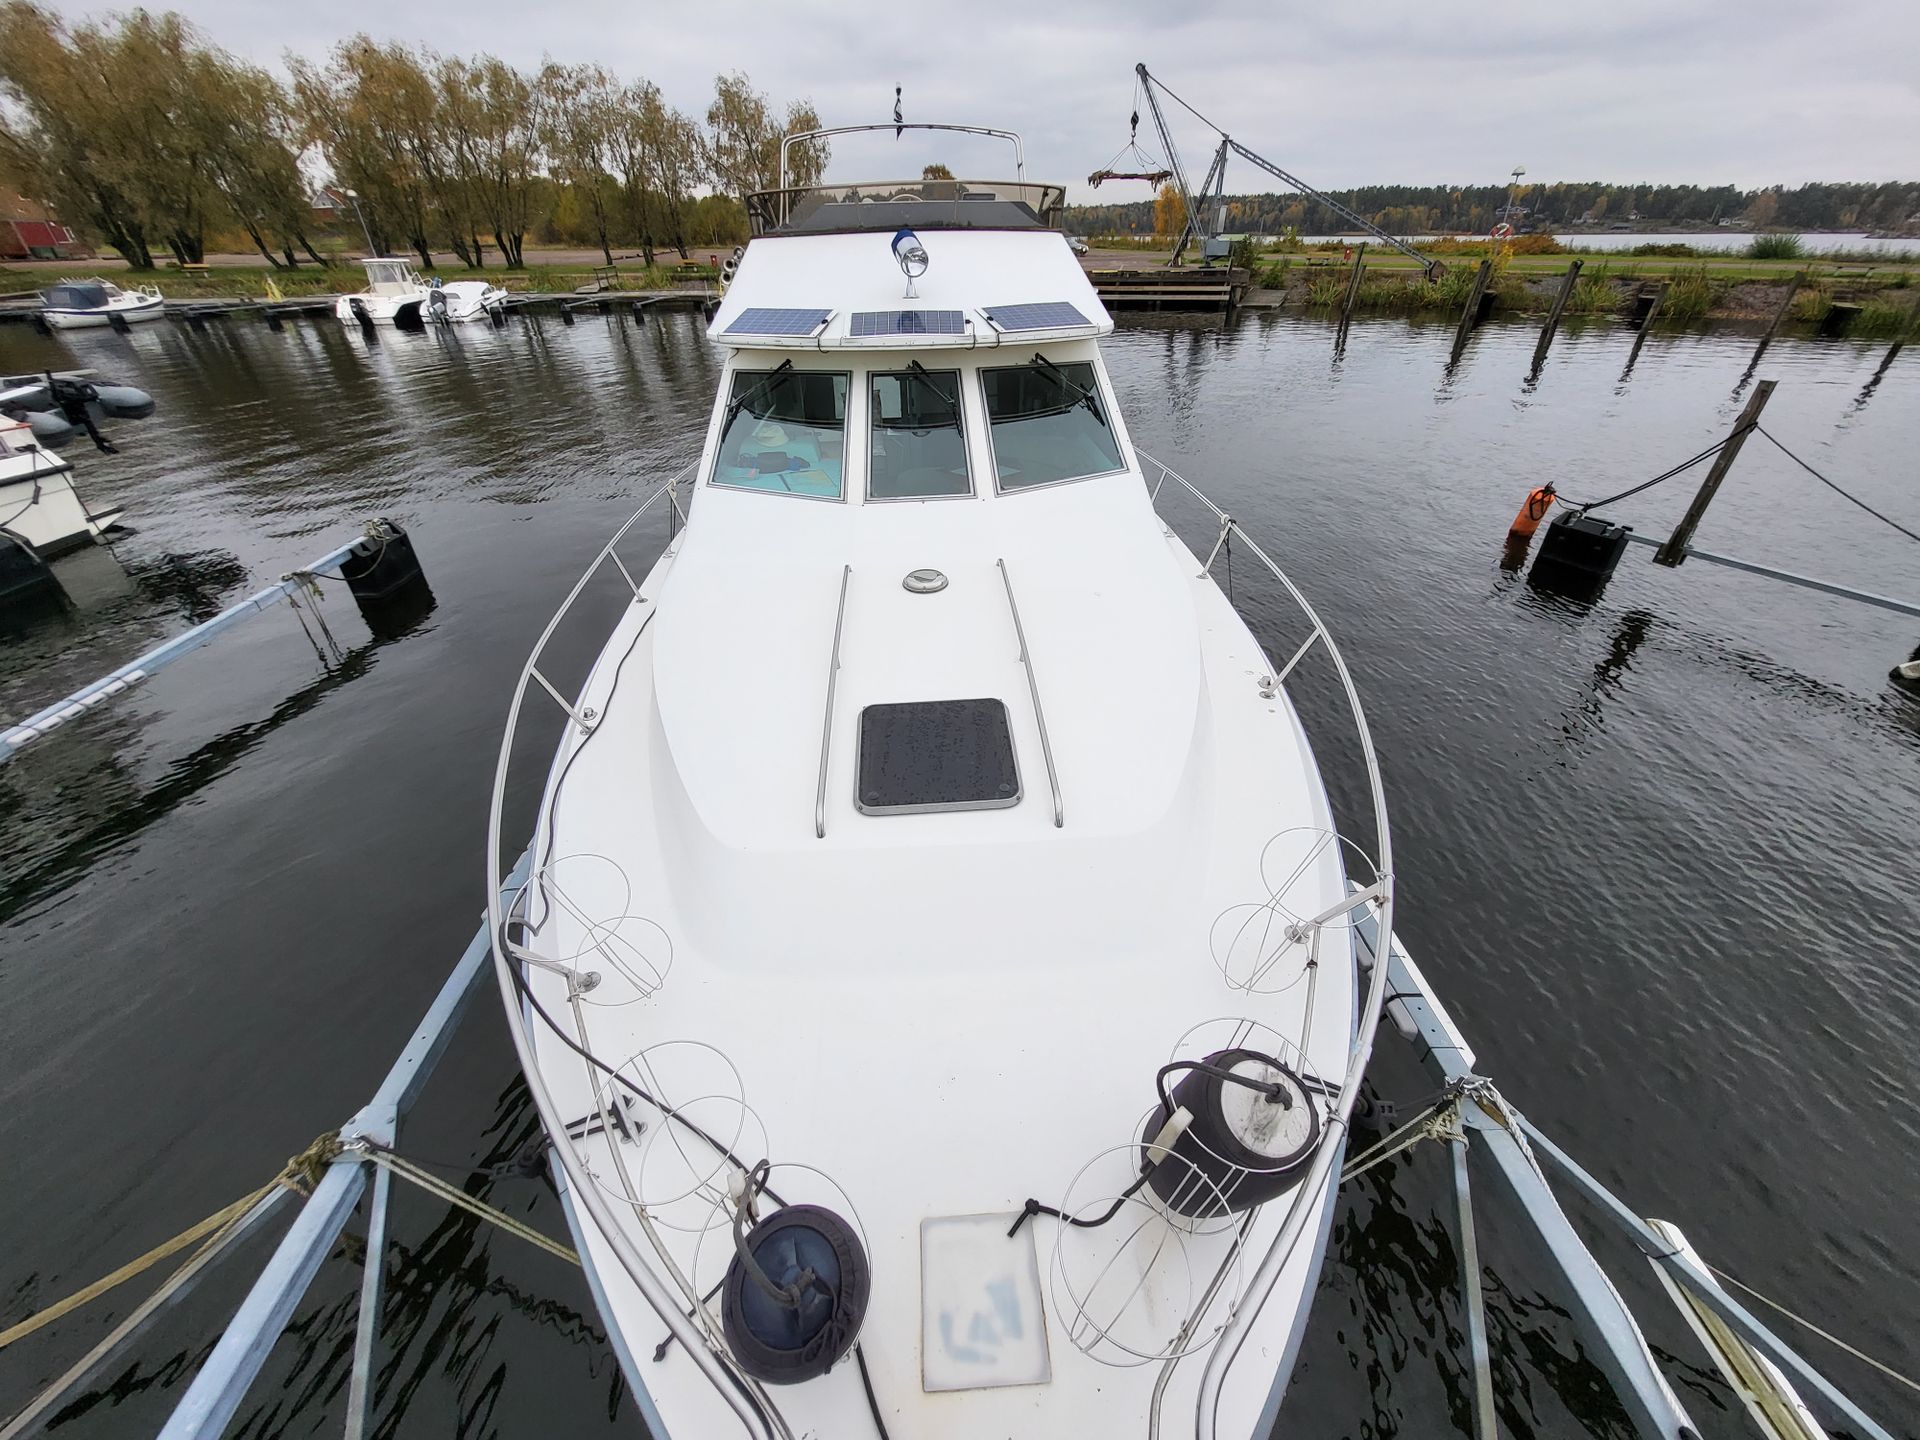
(121, 808)
(1733, 717)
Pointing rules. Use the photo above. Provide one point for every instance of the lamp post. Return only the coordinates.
(1513, 190)
(355, 198)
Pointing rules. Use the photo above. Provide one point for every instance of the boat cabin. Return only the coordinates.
(77, 295)
(391, 277)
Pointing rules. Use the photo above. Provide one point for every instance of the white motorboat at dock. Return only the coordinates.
(396, 295)
(82, 304)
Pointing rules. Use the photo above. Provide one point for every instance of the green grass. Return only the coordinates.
(1690, 295)
(1595, 292)
(1776, 247)
(1884, 320)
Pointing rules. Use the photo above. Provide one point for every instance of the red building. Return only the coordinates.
(28, 231)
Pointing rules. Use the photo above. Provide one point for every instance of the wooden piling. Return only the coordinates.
(1353, 283)
(1675, 548)
(1470, 316)
(1552, 327)
(1780, 315)
(1646, 324)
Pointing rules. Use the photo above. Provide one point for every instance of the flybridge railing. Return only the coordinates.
(956, 203)
(1373, 901)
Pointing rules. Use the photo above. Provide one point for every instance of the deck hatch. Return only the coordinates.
(1049, 315)
(928, 755)
(769, 320)
(908, 322)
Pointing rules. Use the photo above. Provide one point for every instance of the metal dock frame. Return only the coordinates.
(1515, 1147)
(216, 1392)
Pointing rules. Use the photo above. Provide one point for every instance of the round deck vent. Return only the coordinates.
(815, 1260)
(925, 582)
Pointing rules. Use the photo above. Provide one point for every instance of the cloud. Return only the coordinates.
(1390, 91)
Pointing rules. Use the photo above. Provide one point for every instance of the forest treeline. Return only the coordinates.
(1475, 209)
(143, 135)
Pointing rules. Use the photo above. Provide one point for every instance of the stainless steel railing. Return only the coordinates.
(1377, 897)
(746, 1401)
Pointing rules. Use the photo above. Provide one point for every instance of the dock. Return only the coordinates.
(25, 309)
(1172, 287)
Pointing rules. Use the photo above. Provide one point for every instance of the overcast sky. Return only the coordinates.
(1743, 91)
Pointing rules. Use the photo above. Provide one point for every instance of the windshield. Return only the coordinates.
(785, 430)
(1048, 424)
(918, 448)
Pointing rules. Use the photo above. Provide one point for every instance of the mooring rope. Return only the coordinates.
(1803, 1322)
(1680, 469)
(298, 1175)
(1844, 495)
(455, 1196)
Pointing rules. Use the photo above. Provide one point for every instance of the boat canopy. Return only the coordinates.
(76, 295)
(390, 277)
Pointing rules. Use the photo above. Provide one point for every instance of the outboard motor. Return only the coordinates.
(362, 315)
(1230, 1136)
(437, 305)
(795, 1292)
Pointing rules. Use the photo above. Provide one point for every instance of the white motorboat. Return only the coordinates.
(38, 503)
(78, 304)
(935, 966)
(397, 295)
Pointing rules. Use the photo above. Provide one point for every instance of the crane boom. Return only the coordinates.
(1197, 224)
(1167, 147)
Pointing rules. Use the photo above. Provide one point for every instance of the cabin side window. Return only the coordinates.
(917, 447)
(784, 431)
(1047, 423)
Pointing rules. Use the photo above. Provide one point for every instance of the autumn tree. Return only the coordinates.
(578, 123)
(1169, 212)
(744, 138)
(52, 137)
(360, 112)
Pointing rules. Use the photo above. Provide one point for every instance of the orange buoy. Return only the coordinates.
(1533, 510)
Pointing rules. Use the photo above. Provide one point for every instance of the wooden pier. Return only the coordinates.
(1171, 287)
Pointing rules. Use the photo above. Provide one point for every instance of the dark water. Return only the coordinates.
(1657, 853)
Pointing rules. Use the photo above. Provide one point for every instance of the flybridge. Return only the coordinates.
(775, 327)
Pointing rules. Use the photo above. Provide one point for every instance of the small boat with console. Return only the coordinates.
(397, 295)
(80, 304)
(935, 963)
(38, 504)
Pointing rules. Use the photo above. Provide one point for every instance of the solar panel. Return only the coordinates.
(909, 322)
(763, 320)
(1050, 315)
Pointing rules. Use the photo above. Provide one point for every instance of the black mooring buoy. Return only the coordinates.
(1578, 556)
(383, 561)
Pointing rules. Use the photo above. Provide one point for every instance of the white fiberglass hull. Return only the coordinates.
(133, 312)
(971, 1020)
(39, 504)
(457, 303)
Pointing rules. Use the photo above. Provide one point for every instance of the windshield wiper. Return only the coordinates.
(735, 407)
(925, 377)
(1087, 398)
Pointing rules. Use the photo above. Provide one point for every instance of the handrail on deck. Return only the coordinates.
(1234, 1333)
(746, 1403)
